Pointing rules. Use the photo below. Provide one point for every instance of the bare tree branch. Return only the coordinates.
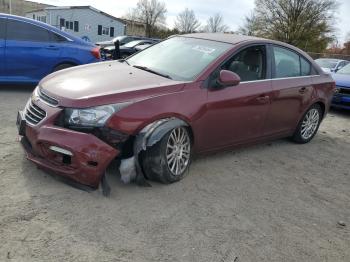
(150, 12)
(216, 24)
(186, 21)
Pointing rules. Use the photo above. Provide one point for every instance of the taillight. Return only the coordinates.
(96, 52)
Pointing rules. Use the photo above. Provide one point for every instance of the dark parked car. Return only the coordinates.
(187, 95)
(124, 39)
(30, 50)
(142, 47)
(331, 65)
(341, 97)
(130, 48)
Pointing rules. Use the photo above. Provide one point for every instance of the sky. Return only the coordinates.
(233, 11)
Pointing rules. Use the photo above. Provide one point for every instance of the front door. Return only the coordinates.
(236, 114)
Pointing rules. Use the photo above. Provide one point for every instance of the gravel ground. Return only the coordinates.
(276, 201)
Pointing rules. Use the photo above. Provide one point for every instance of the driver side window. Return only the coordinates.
(249, 64)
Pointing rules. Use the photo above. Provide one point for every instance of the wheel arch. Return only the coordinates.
(65, 62)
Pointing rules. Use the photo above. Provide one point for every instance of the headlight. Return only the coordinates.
(91, 117)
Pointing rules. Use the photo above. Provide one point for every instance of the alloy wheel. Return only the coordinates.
(310, 123)
(178, 151)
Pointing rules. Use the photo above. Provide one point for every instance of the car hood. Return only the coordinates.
(105, 83)
(342, 80)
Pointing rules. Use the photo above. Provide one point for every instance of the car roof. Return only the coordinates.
(46, 26)
(223, 37)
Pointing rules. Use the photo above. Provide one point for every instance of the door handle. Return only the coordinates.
(263, 99)
(52, 47)
(302, 90)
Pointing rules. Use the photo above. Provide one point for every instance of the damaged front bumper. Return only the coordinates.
(81, 157)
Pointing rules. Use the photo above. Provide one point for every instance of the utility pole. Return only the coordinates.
(10, 5)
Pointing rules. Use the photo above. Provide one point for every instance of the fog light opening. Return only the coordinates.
(61, 150)
(92, 163)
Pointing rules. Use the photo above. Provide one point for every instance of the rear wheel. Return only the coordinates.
(62, 66)
(168, 161)
(308, 125)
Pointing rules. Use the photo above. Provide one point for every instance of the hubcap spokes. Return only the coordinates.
(310, 124)
(178, 151)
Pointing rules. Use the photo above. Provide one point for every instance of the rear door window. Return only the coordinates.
(57, 38)
(22, 31)
(305, 67)
(287, 63)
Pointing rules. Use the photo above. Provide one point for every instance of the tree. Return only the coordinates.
(150, 12)
(250, 25)
(306, 24)
(216, 24)
(186, 21)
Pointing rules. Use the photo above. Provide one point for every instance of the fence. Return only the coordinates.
(328, 55)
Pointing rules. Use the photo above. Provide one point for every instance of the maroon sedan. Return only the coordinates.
(186, 95)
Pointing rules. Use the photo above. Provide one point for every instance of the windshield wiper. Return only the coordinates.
(145, 68)
(123, 61)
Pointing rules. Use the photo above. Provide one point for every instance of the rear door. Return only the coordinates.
(292, 90)
(2, 47)
(30, 53)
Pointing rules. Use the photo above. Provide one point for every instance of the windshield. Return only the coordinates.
(327, 63)
(132, 43)
(345, 70)
(180, 58)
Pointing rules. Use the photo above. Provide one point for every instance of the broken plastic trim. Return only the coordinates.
(149, 136)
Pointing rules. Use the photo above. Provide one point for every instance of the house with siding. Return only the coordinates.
(85, 22)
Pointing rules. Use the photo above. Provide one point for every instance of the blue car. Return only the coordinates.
(30, 50)
(341, 98)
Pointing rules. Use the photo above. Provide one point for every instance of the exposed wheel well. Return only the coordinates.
(323, 107)
(64, 63)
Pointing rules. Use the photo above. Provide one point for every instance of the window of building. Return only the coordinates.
(105, 30)
(41, 18)
(62, 22)
(76, 26)
(102, 30)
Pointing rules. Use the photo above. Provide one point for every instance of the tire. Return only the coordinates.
(308, 125)
(62, 66)
(155, 162)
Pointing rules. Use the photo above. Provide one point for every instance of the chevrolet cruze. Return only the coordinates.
(187, 95)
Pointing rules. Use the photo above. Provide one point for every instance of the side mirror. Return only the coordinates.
(228, 78)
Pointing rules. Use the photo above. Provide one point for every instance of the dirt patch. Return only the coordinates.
(271, 202)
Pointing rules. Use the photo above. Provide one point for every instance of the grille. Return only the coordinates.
(49, 100)
(33, 113)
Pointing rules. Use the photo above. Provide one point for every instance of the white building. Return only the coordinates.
(85, 22)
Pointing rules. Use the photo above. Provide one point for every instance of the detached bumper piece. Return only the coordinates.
(80, 157)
